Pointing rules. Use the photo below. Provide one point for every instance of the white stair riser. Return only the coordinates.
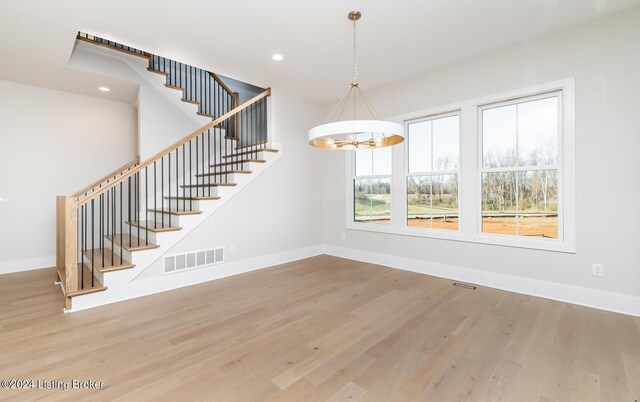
(126, 255)
(167, 219)
(198, 192)
(183, 204)
(142, 233)
(96, 271)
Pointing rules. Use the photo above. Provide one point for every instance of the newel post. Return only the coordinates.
(67, 244)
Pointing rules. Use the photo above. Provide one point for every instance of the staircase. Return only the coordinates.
(109, 232)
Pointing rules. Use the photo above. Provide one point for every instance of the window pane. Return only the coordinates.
(382, 161)
(499, 136)
(444, 202)
(538, 132)
(432, 201)
(361, 194)
(445, 143)
(538, 203)
(418, 201)
(420, 147)
(372, 200)
(363, 162)
(499, 203)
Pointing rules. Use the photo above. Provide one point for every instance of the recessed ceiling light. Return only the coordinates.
(277, 57)
(104, 89)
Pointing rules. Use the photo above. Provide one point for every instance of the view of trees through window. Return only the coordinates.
(432, 179)
(372, 186)
(520, 168)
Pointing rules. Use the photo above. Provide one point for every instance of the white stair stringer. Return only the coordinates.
(122, 285)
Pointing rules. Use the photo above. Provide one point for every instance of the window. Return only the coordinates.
(433, 150)
(372, 186)
(520, 166)
(494, 170)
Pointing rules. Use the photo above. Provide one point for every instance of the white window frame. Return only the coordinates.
(522, 168)
(370, 177)
(469, 176)
(408, 174)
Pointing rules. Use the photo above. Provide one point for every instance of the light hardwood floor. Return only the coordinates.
(319, 329)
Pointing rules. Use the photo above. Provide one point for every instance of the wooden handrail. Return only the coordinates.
(222, 84)
(102, 179)
(172, 147)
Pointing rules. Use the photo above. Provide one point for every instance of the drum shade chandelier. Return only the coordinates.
(355, 134)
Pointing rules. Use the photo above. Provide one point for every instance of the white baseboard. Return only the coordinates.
(8, 267)
(609, 301)
(164, 283)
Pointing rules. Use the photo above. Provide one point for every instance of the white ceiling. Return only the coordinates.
(237, 38)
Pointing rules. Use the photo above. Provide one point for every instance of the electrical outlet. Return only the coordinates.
(232, 248)
(597, 270)
(344, 236)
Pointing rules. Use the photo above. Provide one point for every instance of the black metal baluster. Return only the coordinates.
(146, 204)
(184, 207)
(155, 202)
(129, 206)
(102, 227)
(208, 159)
(82, 247)
(137, 198)
(177, 173)
(121, 223)
(93, 247)
(203, 178)
(162, 189)
(168, 188)
(190, 177)
(197, 168)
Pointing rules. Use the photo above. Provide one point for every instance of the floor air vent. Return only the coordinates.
(464, 285)
(195, 259)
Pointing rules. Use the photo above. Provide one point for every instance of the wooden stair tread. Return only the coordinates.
(174, 87)
(238, 161)
(135, 244)
(223, 173)
(174, 211)
(209, 185)
(250, 152)
(108, 265)
(97, 285)
(205, 114)
(190, 101)
(152, 226)
(157, 72)
(193, 198)
(257, 144)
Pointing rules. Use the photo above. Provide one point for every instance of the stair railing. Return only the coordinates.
(204, 88)
(105, 179)
(95, 229)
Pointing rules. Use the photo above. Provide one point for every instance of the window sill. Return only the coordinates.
(482, 238)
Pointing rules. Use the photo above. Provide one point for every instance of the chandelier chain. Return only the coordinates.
(355, 59)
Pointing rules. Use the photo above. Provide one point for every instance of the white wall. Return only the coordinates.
(163, 118)
(281, 210)
(604, 58)
(52, 143)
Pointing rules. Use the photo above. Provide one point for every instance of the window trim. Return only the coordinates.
(469, 203)
(407, 174)
(372, 176)
(522, 168)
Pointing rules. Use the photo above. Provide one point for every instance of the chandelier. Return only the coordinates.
(355, 134)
